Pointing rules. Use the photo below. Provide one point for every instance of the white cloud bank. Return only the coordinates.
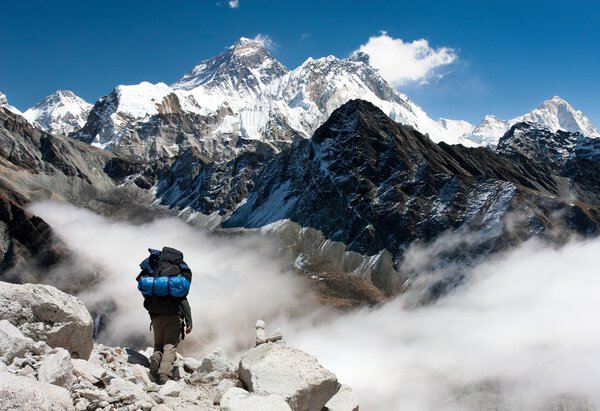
(400, 63)
(521, 334)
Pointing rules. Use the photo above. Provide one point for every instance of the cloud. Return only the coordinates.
(235, 280)
(233, 4)
(265, 41)
(400, 63)
(521, 332)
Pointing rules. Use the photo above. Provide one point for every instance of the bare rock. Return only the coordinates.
(224, 386)
(170, 389)
(344, 400)
(214, 367)
(237, 399)
(57, 369)
(13, 343)
(22, 393)
(88, 371)
(289, 372)
(125, 391)
(44, 313)
(191, 364)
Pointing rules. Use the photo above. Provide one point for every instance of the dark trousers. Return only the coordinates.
(167, 334)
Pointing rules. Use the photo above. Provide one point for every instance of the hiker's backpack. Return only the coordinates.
(166, 274)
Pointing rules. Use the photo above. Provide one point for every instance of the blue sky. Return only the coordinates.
(509, 55)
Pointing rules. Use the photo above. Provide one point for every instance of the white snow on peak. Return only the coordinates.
(140, 100)
(457, 129)
(553, 114)
(556, 114)
(4, 103)
(234, 78)
(61, 113)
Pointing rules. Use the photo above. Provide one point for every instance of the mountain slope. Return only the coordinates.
(372, 184)
(4, 103)
(59, 113)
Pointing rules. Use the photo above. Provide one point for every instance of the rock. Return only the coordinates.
(140, 376)
(57, 369)
(82, 405)
(13, 343)
(170, 389)
(93, 395)
(237, 399)
(261, 334)
(344, 400)
(108, 376)
(22, 393)
(291, 373)
(222, 388)
(191, 364)
(44, 313)
(214, 367)
(120, 390)
(88, 371)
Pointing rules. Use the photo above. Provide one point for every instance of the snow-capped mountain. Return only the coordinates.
(4, 103)
(554, 114)
(243, 94)
(62, 112)
(457, 130)
(235, 77)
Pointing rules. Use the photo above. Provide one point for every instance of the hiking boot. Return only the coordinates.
(162, 379)
(155, 364)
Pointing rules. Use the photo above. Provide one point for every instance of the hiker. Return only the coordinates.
(164, 282)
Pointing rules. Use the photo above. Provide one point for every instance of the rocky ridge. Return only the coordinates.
(271, 375)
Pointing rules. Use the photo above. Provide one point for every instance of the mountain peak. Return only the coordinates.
(242, 70)
(62, 112)
(245, 46)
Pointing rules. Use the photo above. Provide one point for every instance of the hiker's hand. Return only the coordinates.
(188, 329)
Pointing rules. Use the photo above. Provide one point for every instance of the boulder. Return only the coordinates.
(191, 364)
(224, 386)
(214, 367)
(237, 399)
(57, 369)
(22, 393)
(13, 344)
(44, 313)
(344, 400)
(289, 372)
(88, 371)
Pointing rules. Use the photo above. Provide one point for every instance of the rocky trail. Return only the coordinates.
(49, 362)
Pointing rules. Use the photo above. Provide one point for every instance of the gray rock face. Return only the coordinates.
(291, 373)
(23, 393)
(213, 367)
(45, 313)
(237, 399)
(57, 369)
(13, 343)
(344, 400)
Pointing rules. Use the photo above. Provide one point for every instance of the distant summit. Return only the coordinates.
(554, 114)
(62, 112)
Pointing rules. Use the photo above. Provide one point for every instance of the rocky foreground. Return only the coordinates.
(48, 362)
